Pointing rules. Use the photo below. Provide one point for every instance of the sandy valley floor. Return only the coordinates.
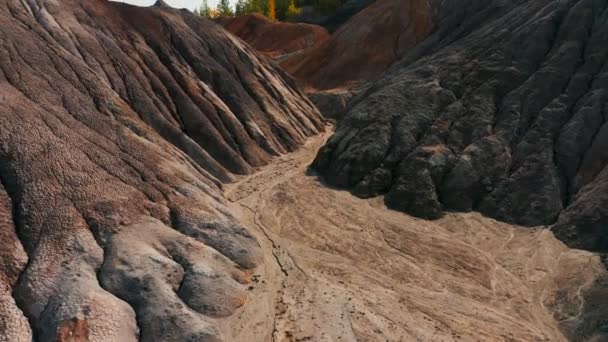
(339, 268)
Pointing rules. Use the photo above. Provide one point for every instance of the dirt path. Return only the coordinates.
(339, 268)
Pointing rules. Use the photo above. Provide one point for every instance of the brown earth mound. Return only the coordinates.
(501, 110)
(274, 39)
(117, 125)
(359, 51)
(365, 46)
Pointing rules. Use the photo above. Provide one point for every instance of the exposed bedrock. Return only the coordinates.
(115, 137)
(502, 109)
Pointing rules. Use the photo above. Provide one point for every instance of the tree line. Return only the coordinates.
(284, 10)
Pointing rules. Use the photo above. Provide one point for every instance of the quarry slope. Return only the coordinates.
(117, 126)
(340, 268)
(501, 110)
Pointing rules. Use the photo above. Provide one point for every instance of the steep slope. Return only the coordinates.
(117, 125)
(365, 46)
(274, 39)
(501, 110)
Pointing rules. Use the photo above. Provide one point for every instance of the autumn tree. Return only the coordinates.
(284, 9)
(292, 11)
(272, 10)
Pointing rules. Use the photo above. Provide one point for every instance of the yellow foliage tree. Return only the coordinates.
(272, 11)
(292, 11)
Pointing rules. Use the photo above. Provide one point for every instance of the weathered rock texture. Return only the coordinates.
(117, 126)
(277, 40)
(502, 109)
(333, 103)
(365, 46)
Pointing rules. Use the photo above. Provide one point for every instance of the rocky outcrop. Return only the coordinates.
(274, 39)
(332, 103)
(502, 109)
(117, 126)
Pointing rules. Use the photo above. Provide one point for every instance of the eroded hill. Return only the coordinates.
(359, 51)
(365, 46)
(502, 110)
(118, 125)
(277, 40)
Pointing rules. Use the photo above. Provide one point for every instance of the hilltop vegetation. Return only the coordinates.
(283, 10)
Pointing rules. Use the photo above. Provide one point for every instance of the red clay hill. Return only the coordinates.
(272, 38)
(360, 50)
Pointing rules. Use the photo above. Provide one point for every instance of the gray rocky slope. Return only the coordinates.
(117, 127)
(502, 109)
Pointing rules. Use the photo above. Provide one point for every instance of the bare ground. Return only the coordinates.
(340, 268)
